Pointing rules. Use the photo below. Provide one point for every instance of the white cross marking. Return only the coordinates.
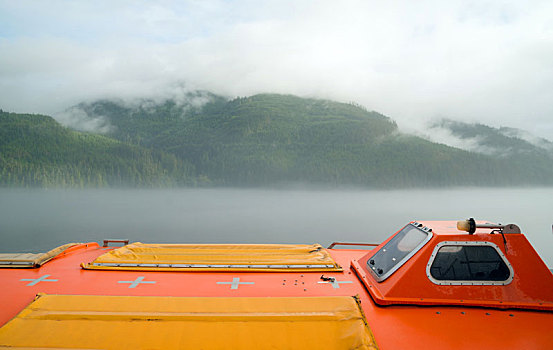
(235, 282)
(336, 284)
(37, 280)
(136, 282)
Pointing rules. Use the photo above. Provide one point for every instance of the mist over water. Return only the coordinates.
(38, 220)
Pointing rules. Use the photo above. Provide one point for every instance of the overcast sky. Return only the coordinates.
(485, 61)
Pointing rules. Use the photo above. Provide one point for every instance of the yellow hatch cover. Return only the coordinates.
(131, 322)
(216, 257)
(30, 260)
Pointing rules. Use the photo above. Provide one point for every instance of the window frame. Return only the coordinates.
(400, 263)
(469, 282)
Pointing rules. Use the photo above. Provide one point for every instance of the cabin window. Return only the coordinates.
(472, 263)
(398, 250)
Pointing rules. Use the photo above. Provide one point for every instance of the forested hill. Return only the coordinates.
(262, 140)
(503, 141)
(273, 139)
(36, 151)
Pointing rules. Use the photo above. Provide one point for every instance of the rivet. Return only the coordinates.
(511, 315)
(488, 314)
(462, 312)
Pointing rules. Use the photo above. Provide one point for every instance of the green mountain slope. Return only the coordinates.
(36, 151)
(270, 139)
(502, 141)
(141, 121)
(520, 154)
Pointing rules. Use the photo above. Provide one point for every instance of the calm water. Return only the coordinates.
(38, 220)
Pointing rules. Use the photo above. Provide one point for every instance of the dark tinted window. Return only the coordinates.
(396, 250)
(468, 263)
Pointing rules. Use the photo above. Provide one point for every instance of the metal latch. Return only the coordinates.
(115, 240)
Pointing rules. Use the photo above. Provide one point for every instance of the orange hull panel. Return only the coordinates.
(394, 327)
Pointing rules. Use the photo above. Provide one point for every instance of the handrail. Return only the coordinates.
(108, 241)
(349, 243)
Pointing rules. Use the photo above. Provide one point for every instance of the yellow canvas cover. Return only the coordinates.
(131, 322)
(216, 257)
(30, 260)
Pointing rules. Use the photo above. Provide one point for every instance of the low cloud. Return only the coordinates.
(478, 138)
(84, 116)
(78, 119)
(467, 60)
(528, 137)
(446, 137)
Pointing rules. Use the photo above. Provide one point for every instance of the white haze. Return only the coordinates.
(446, 137)
(78, 119)
(528, 137)
(485, 61)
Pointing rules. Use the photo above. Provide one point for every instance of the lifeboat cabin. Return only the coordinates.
(431, 285)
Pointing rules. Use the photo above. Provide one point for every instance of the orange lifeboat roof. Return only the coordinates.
(434, 263)
(286, 296)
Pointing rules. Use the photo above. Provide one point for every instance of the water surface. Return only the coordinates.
(37, 220)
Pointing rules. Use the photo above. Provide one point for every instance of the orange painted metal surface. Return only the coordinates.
(531, 287)
(396, 316)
